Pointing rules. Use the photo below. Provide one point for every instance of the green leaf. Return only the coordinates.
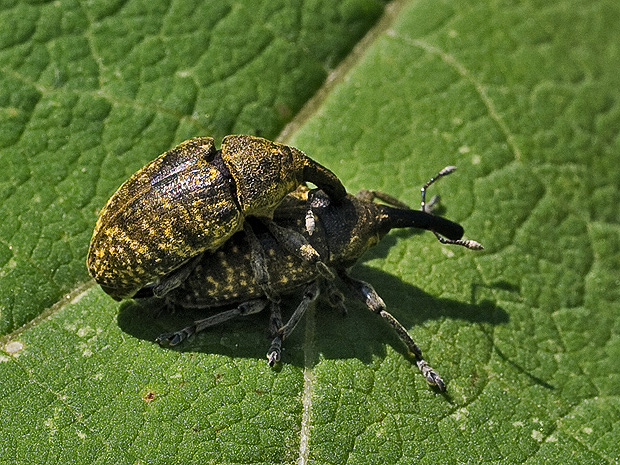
(521, 96)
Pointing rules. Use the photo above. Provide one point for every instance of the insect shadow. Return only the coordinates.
(360, 334)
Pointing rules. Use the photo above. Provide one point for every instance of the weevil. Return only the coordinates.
(343, 232)
(192, 199)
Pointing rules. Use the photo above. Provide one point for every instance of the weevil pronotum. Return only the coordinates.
(342, 233)
(192, 199)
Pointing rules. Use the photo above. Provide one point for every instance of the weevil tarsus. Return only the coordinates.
(335, 297)
(275, 351)
(310, 222)
(431, 375)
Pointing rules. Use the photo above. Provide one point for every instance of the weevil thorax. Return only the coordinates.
(264, 172)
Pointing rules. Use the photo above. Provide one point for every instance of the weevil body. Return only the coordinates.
(192, 199)
(343, 232)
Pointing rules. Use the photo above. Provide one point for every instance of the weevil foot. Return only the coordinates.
(316, 199)
(432, 377)
(275, 351)
(335, 298)
(171, 339)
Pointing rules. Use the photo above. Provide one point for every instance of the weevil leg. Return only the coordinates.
(246, 308)
(370, 195)
(335, 298)
(259, 263)
(292, 241)
(275, 319)
(275, 323)
(298, 245)
(175, 278)
(310, 295)
(375, 303)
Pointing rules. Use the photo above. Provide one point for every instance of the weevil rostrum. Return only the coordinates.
(192, 199)
(343, 232)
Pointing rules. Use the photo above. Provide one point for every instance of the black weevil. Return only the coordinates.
(342, 233)
(192, 199)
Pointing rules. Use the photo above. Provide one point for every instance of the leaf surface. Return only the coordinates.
(521, 96)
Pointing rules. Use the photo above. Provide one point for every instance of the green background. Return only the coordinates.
(522, 96)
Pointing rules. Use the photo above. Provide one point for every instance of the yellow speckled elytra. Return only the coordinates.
(192, 199)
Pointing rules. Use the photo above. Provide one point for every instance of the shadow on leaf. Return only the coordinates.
(361, 334)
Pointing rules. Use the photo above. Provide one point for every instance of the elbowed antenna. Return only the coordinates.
(404, 218)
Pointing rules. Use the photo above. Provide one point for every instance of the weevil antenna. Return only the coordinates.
(447, 170)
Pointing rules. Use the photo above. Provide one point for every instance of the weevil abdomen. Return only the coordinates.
(173, 209)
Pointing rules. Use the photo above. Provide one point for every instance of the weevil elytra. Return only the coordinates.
(343, 232)
(192, 199)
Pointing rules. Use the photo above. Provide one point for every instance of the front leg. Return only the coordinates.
(170, 281)
(296, 244)
(275, 323)
(369, 296)
(281, 332)
(259, 263)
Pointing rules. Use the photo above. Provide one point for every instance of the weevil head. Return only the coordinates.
(353, 226)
